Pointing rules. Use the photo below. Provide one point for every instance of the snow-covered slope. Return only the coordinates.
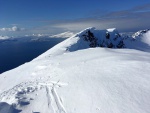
(139, 40)
(143, 36)
(140, 33)
(74, 78)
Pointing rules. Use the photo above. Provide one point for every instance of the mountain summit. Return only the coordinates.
(92, 37)
(109, 38)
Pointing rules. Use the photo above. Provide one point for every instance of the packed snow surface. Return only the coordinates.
(73, 78)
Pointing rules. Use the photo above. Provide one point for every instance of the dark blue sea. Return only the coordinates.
(15, 53)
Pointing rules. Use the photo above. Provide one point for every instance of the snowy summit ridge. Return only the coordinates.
(91, 38)
(88, 38)
(91, 80)
(140, 33)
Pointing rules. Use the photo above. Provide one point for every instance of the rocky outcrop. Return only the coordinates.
(107, 39)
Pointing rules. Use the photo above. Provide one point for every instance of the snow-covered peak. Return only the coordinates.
(103, 38)
(92, 37)
(87, 38)
(85, 30)
(140, 33)
(111, 29)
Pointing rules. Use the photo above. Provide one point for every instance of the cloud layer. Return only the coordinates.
(126, 20)
(14, 28)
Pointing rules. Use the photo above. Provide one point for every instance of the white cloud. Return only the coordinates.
(14, 28)
(4, 37)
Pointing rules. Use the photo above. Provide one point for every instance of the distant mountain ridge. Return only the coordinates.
(35, 37)
(140, 33)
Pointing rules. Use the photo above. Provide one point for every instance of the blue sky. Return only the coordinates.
(20, 17)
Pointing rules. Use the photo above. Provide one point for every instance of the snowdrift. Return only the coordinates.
(76, 77)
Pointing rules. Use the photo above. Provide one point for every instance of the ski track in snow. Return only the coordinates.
(58, 101)
(53, 98)
(50, 100)
(20, 94)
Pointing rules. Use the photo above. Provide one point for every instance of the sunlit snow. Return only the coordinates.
(72, 77)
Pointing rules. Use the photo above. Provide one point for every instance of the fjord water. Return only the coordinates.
(15, 53)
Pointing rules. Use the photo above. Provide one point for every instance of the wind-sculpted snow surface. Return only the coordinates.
(91, 80)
